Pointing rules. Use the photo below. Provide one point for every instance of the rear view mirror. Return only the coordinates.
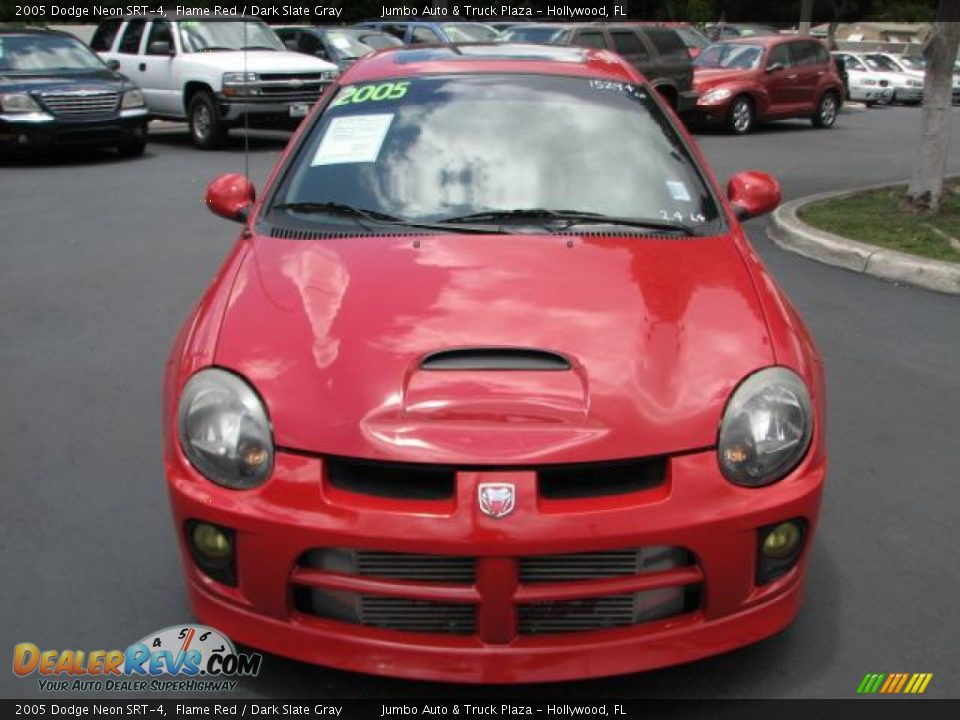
(113, 64)
(231, 196)
(753, 193)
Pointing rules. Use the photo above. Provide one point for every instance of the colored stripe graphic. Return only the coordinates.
(894, 683)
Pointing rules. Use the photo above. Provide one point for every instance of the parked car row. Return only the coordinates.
(240, 72)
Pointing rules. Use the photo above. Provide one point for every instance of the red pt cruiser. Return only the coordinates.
(746, 81)
(492, 386)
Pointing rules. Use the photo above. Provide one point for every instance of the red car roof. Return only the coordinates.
(491, 58)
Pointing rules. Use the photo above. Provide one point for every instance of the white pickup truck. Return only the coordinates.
(216, 74)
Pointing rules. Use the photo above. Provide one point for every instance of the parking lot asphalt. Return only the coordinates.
(101, 259)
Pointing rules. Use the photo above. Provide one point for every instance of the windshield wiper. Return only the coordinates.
(216, 48)
(258, 47)
(573, 217)
(336, 208)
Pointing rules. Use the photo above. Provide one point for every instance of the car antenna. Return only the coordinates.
(246, 115)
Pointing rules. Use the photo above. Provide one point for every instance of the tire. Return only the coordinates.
(207, 129)
(870, 103)
(827, 109)
(740, 116)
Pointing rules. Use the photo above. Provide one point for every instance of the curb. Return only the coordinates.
(791, 233)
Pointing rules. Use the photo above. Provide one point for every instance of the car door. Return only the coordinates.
(672, 59)
(104, 37)
(808, 69)
(631, 48)
(290, 38)
(127, 52)
(156, 70)
(309, 44)
(779, 79)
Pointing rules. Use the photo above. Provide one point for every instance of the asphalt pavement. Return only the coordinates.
(101, 259)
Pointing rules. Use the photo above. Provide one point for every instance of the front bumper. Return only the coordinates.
(871, 94)
(298, 509)
(265, 111)
(908, 94)
(687, 101)
(27, 130)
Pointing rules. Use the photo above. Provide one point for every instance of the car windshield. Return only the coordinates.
(231, 35)
(437, 148)
(347, 45)
(874, 65)
(44, 53)
(914, 63)
(730, 55)
(470, 32)
(533, 35)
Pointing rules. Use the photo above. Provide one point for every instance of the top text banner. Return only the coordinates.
(346, 11)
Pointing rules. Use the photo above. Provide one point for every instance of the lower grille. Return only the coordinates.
(81, 104)
(603, 613)
(391, 565)
(601, 565)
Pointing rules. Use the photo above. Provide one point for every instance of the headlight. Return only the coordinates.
(132, 99)
(766, 428)
(914, 83)
(869, 83)
(224, 430)
(716, 95)
(18, 103)
(239, 78)
(329, 75)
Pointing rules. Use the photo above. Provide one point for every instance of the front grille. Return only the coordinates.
(77, 104)
(604, 613)
(392, 565)
(411, 481)
(286, 93)
(443, 593)
(600, 565)
(287, 77)
(393, 613)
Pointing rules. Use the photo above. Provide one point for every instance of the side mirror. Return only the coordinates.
(774, 67)
(753, 193)
(291, 45)
(113, 64)
(231, 196)
(160, 47)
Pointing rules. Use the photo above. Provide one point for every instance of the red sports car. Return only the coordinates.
(492, 387)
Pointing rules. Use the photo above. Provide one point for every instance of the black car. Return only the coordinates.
(341, 46)
(718, 32)
(55, 90)
(657, 52)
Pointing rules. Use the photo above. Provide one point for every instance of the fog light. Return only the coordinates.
(211, 541)
(779, 548)
(212, 548)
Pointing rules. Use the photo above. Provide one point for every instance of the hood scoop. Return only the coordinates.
(486, 358)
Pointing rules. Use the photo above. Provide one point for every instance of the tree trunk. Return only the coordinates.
(940, 51)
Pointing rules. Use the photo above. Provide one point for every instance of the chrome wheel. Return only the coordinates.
(741, 116)
(202, 121)
(828, 110)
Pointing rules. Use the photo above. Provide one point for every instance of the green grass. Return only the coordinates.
(876, 218)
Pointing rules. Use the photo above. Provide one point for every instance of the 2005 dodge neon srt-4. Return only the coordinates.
(492, 386)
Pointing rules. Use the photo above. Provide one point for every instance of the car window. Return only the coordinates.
(423, 35)
(103, 38)
(159, 32)
(590, 39)
(730, 55)
(627, 43)
(441, 146)
(130, 42)
(379, 41)
(884, 63)
(823, 57)
(220, 35)
(851, 63)
(803, 53)
(666, 41)
(780, 55)
(534, 34)
(399, 31)
(310, 44)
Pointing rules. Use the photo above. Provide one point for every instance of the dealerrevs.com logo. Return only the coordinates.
(199, 657)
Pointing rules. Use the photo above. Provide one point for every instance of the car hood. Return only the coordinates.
(332, 332)
(711, 77)
(104, 79)
(259, 61)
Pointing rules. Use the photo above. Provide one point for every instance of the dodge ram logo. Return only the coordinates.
(496, 499)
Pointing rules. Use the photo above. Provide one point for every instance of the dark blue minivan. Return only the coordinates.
(54, 90)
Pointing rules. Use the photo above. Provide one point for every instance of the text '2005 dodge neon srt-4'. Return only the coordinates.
(492, 386)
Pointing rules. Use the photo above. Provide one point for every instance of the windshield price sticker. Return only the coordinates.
(352, 139)
(357, 94)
